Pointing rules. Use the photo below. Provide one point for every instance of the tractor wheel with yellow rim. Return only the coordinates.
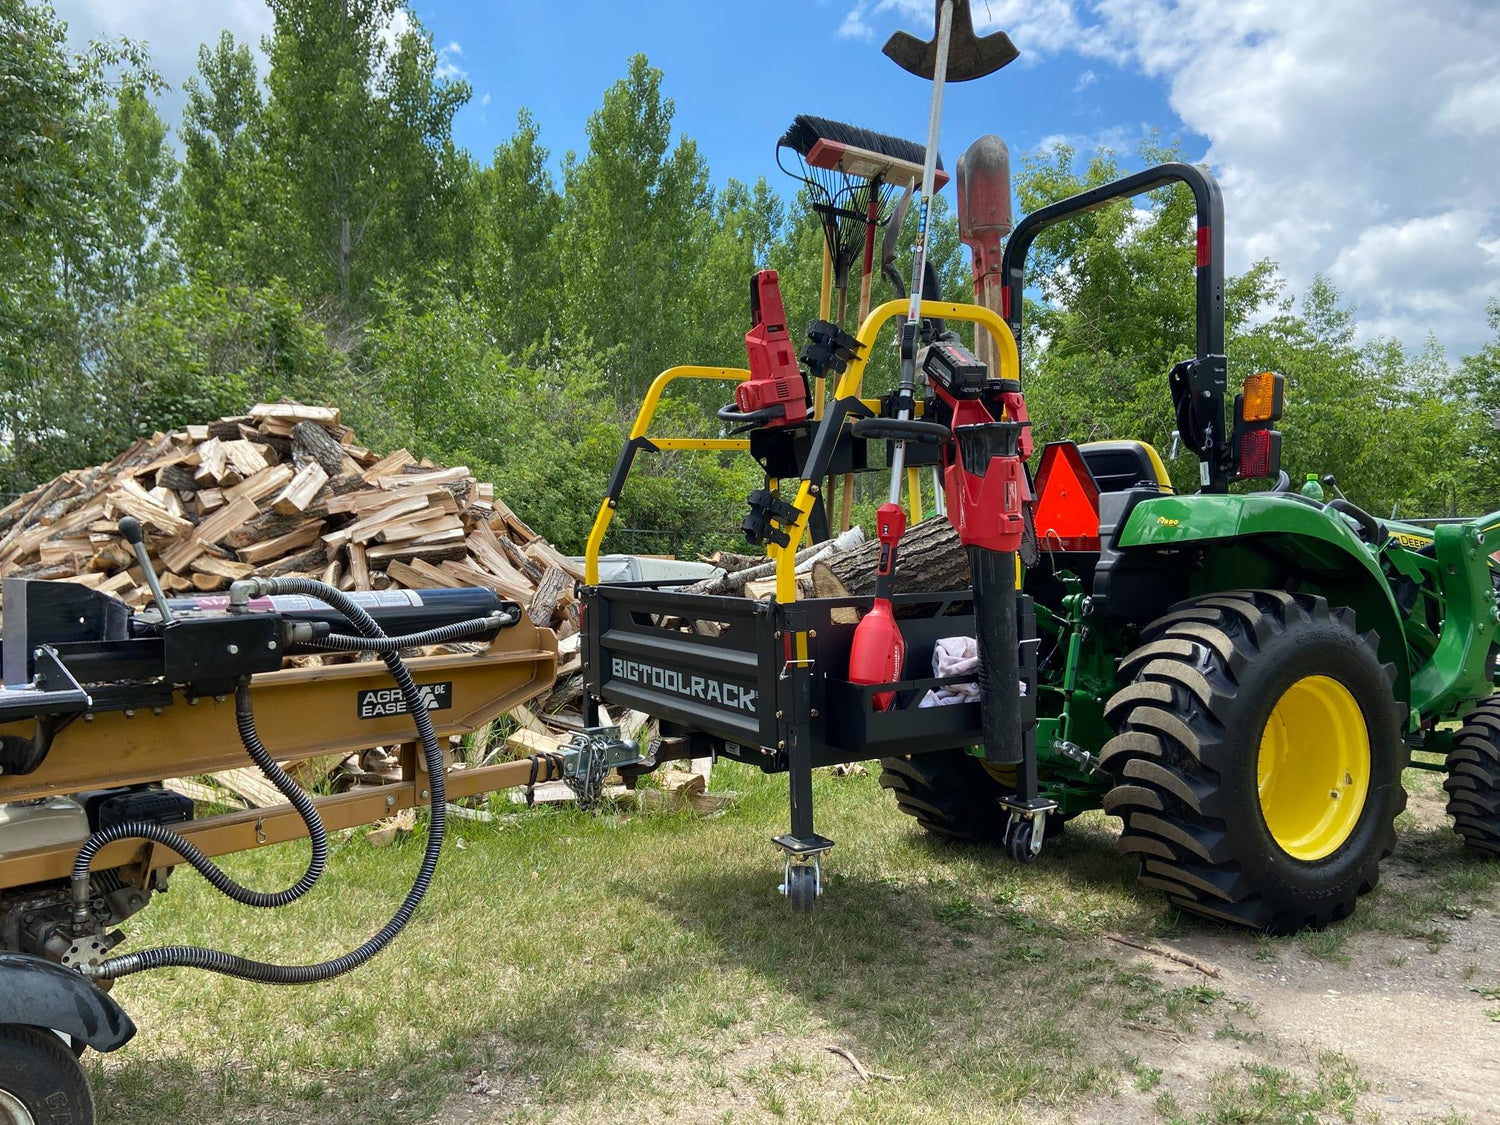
(1257, 768)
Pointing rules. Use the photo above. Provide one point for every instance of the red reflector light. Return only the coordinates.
(1260, 453)
(1205, 254)
(1005, 303)
(1066, 516)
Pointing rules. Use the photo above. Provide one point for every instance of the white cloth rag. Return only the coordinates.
(955, 656)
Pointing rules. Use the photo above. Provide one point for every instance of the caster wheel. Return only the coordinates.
(1018, 839)
(802, 887)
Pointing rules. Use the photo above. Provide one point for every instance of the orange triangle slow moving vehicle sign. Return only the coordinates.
(1067, 504)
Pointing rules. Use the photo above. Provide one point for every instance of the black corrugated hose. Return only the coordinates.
(213, 960)
(446, 634)
(145, 830)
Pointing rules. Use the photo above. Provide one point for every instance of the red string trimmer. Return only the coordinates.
(955, 54)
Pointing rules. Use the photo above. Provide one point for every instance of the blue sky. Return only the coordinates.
(740, 73)
(1353, 138)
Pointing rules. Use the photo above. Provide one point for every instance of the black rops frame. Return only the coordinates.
(1208, 373)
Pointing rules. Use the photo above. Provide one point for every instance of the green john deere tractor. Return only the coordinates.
(1240, 677)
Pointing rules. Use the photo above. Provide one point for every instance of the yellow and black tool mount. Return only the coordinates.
(765, 682)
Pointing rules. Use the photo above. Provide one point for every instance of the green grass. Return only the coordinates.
(607, 966)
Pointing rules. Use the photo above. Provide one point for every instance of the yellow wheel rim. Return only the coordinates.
(1314, 768)
(1005, 775)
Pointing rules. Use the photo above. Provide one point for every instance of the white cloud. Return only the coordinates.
(171, 29)
(1474, 105)
(1046, 26)
(1352, 137)
(1085, 80)
(395, 30)
(484, 100)
(447, 67)
(855, 26)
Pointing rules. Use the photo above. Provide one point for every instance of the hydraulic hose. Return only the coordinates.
(446, 634)
(157, 834)
(228, 964)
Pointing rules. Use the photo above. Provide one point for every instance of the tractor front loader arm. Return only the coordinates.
(1459, 672)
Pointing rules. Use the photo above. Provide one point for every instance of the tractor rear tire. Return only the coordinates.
(948, 792)
(1473, 783)
(1257, 767)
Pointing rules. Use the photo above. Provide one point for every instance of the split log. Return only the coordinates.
(268, 549)
(390, 464)
(359, 567)
(261, 484)
(302, 490)
(179, 477)
(294, 412)
(549, 594)
(245, 457)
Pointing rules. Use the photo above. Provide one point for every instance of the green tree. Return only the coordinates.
(219, 230)
(203, 350)
(1478, 385)
(634, 229)
(78, 163)
(357, 154)
(133, 173)
(517, 275)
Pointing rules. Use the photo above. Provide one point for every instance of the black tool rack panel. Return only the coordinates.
(727, 666)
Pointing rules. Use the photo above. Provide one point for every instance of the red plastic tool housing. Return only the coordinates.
(985, 501)
(775, 379)
(878, 652)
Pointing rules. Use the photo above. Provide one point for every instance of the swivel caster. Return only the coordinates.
(803, 884)
(1023, 839)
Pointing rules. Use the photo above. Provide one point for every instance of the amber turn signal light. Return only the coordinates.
(1262, 398)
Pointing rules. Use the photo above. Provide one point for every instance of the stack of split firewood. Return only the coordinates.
(283, 490)
(286, 489)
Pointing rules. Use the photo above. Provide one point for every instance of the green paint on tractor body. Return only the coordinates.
(1428, 591)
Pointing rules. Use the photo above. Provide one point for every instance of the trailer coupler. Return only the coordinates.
(589, 756)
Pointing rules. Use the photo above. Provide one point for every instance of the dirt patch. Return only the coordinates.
(1405, 1013)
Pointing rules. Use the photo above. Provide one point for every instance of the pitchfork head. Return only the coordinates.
(969, 56)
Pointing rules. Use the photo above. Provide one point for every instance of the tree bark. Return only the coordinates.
(930, 558)
(311, 442)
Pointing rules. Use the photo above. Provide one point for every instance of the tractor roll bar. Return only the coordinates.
(1209, 374)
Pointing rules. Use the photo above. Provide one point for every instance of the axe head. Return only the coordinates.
(969, 56)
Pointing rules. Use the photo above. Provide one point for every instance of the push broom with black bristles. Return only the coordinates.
(850, 173)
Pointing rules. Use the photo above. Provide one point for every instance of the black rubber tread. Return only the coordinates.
(38, 1069)
(1473, 783)
(1195, 698)
(947, 792)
